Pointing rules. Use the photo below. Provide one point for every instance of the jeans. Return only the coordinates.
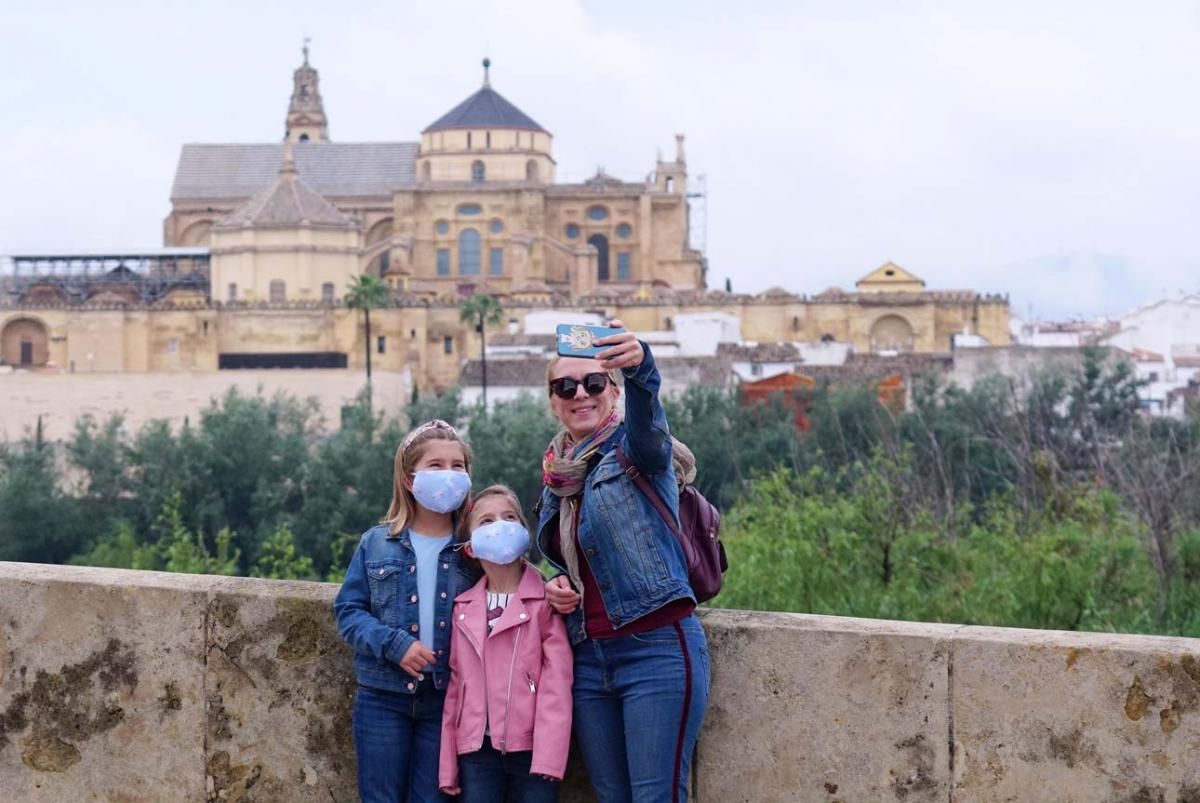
(397, 738)
(639, 704)
(489, 776)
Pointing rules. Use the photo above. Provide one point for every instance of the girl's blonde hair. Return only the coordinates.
(404, 505)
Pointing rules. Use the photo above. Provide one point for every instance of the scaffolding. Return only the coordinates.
(144, 275)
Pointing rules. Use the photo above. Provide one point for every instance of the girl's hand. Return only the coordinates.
(626, 351)
(416, 658)
(562, 597)
(453, 791)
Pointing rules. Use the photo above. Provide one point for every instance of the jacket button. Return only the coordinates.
(441, 624)
(604, 586)
(412, 568)
(410, 687)
(591, 553)
(413, 598)
(462, 616)
(522, 616)
(440, 652)
(445, 565)
(443, 595)
(415, 628)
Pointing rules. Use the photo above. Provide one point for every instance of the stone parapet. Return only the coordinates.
(142, 686)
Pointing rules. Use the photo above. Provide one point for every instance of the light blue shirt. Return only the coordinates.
(427, 549)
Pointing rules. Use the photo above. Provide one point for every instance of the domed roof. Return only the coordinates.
(487, 108)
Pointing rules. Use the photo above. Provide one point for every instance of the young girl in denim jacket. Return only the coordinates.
(507, 722)
(394, 611)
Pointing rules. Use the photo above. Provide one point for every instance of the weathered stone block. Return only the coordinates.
(101, 685)
(1075, 718)
(818, 708)
(280, 690)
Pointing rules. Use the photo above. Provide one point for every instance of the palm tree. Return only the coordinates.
(482, 310)
(367, 292)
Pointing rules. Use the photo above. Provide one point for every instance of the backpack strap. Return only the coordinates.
(643, 484)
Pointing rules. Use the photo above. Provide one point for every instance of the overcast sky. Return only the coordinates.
(1050, 150)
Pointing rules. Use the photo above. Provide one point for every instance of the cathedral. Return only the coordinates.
(262, 241)
(472, 205)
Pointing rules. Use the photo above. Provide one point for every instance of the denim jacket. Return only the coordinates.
(638, 564)
(378, 613)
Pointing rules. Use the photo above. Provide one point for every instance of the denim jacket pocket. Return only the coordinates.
(384, 580)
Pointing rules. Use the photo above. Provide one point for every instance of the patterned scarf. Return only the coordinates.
(564, 469)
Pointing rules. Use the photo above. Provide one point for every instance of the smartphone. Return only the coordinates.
(578, 340)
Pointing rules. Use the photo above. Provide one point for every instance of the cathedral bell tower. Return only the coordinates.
(306, 114)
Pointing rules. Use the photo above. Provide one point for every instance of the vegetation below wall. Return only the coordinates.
(1052, 504)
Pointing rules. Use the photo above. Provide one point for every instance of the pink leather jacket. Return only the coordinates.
(525, 692)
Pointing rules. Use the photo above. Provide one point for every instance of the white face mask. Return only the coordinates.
(441, 491)
(500, 542)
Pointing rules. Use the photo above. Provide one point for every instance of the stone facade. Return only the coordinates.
(473, 206)
(141, 686)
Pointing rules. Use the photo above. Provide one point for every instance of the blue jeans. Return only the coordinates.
(639, 704)
(397, 738)
(489, 776)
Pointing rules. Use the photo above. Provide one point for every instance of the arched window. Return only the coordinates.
(670, 184)
(487, 139)
(623, 265)
(531, 170)
(278, 291)
(327, 293)
(469, 252)
(304, 137)
(598, 213)
(478, 172)
(496, 262)
(600, 242)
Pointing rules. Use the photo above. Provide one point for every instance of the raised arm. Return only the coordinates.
(648, 439)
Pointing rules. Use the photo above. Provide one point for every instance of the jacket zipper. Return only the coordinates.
(508, 691)
(532, 685)
(486, 719)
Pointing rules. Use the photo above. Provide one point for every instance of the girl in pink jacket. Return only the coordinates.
(506, 726)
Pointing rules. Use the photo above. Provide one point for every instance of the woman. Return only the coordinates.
(641, 659)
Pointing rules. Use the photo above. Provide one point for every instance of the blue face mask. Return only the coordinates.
(500, 542)
(441, 491)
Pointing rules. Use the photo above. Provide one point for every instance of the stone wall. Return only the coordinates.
(139, 686)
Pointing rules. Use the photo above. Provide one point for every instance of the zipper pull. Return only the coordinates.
(532, 686)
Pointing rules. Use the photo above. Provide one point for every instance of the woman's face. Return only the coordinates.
(582, 414)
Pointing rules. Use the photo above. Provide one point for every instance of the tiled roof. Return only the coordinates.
(762, 352)
(334, 169)
(487, 108)
(287, 201)
(526, 372)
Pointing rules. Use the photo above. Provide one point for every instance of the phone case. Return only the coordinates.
(576, 340)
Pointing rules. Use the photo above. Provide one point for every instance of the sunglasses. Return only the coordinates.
(564, 387)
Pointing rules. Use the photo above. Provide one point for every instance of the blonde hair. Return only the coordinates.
(404, 505)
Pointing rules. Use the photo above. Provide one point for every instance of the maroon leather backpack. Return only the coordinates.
(698, 532)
